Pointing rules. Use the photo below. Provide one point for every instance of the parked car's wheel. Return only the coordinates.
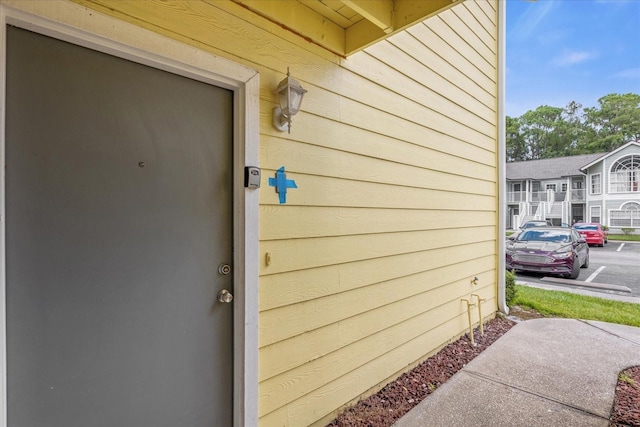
(586, 262)
(576, 269)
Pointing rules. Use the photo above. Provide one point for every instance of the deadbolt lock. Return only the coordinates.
(224, 269)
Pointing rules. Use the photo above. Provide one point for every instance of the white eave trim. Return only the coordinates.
(599, 159)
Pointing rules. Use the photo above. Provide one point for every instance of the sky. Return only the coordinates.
(560, 51)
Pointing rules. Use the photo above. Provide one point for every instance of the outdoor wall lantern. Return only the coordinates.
(290, 95)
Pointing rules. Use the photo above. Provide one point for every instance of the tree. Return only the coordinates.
(538, 130)
(574, 134)
(516, 147)
(553, 132)
(615, 123)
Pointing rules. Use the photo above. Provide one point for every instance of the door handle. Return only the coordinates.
(225, 296)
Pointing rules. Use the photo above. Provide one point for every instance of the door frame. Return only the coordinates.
(76, 24)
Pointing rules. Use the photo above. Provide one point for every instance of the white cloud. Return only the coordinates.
(572, 58)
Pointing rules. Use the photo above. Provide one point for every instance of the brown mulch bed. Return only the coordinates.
(399, 397)
(626, 405)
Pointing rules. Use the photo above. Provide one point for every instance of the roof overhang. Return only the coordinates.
(346, 26)
(599, 159)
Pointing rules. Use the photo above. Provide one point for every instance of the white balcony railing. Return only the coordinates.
(516, 196)
(578, 195)
(539, 196)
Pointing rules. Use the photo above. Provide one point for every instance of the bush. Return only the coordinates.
(628, 231)
(510, 287)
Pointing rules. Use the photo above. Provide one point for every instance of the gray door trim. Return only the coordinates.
(76, 24)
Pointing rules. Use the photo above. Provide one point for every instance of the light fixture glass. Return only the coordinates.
(290, 94)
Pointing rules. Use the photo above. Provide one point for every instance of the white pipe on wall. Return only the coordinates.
(502, 156)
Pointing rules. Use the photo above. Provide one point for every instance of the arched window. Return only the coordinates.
(625, 175)
(627, 216)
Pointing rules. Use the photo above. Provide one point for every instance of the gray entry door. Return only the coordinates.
(118, 214)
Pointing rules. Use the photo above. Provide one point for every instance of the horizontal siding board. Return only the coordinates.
(411, 92)
(483, 76)
(485, 8)
(356, 383)
(293, 384)
(373, 146)
(290, 255)
(283, 356)
(281, 323)
(474, 97)
(386, 124)
(279, 222)
(462, 47)
(440, 147)
(448, 99)
(460, 35)
(320, 161)
(358, 120)
(475, 18)
(323, 191)
(279, 290)
(474, 30)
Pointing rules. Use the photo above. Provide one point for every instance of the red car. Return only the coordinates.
(593, 232)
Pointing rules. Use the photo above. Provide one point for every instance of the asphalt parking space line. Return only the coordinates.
(620, 247)
(595, 274)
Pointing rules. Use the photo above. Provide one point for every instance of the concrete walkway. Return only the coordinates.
(543, 372)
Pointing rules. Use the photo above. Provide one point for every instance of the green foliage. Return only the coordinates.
(510, 287)
(626, 378)
(628, 231)
(616, 122)
(565, 304)
(548, 132)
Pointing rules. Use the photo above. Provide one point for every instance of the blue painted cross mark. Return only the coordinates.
(282, 183)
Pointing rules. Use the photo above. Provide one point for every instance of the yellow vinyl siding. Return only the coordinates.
(280, 323)
(304, 285)
(394, 155)
(318, 161)
(294, 222)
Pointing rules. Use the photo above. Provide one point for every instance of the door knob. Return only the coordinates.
(225, 296)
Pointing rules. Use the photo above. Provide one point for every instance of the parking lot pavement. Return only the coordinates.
(617, 264)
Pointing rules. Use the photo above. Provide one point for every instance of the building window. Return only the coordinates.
(595, 214)
(625, 175)
(517, 187)
(627, 216)
(564, 187)
(551, 187)
(596, 184)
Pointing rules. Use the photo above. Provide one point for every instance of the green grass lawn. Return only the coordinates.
(625, 237)
(565, 304)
